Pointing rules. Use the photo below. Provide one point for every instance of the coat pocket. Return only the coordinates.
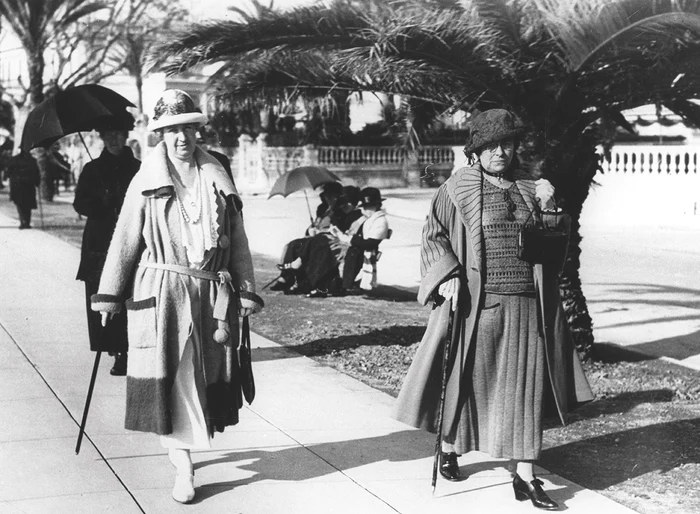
(141, 322)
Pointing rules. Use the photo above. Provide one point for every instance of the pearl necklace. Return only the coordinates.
(196, 204)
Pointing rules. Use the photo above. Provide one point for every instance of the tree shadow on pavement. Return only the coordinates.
(600, 462)
(629, 295)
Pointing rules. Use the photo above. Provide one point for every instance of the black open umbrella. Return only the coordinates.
(77, 109)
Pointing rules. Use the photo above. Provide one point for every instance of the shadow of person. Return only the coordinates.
(392, 294)
(394, 335)
(308, 462)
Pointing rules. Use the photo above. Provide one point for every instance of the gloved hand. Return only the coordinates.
(105, 317)
(544, 191)
(449, 290)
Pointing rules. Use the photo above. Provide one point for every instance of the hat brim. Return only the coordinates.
(377, 202)
(177, 119)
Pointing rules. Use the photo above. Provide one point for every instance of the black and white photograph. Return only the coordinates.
(349, 256)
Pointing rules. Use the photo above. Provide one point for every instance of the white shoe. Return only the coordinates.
(183, 491)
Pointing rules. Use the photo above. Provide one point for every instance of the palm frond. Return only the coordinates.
(587, 29)
(218, 40)
(689, 111)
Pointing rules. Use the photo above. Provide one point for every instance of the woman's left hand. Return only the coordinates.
(544, 191)
(244, 311)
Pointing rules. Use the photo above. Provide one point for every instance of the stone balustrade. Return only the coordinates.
(649, 159)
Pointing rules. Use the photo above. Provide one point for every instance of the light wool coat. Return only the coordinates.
(453, 246)
(161, 313)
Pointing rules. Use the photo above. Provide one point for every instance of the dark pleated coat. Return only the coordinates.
(452, 245)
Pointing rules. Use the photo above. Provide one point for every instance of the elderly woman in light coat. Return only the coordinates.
(511, 350)
(181, 254)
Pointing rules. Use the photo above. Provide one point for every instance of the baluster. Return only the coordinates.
(643, 163)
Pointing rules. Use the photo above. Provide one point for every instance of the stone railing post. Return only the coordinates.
(261, 180)
(244, 144)
(310, 155)
(411, 169)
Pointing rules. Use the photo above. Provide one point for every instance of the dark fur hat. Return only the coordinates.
(491, 126)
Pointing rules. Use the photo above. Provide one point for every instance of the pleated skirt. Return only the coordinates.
(503, 385)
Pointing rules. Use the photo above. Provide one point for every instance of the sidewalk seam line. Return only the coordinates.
(85, 434)
(324, 460)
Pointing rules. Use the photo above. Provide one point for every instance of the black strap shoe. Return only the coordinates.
(533, 491)
(449, 468)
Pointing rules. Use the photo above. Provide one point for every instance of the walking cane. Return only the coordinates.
(450, 339)
(95, 367)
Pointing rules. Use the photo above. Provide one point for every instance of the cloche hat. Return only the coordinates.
(492, 126)
(175, 107)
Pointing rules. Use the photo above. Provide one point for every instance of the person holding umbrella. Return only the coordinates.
(181, 252)
(23, 174)
(99, 196)
(497, 354)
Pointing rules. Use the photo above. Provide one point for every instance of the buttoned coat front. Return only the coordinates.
(453, 246)
(161, 313)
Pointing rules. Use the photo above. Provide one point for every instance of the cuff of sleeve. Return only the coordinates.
(448, 266)
(251, 301)
(105, 303)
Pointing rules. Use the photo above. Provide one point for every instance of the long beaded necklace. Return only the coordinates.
(196, 203)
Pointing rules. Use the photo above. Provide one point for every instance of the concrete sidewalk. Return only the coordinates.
(313, 441)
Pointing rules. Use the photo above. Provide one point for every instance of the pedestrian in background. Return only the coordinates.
(99, 196)
(181, 251)
(23, 174)
(513, 360)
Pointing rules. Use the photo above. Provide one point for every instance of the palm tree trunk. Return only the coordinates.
(139, 89)
(575, 305)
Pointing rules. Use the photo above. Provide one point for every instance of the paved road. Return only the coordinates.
(642, 283)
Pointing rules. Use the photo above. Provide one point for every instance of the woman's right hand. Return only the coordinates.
(449, 290)
(106, 316)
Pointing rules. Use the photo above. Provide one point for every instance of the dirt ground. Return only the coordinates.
(637, 443)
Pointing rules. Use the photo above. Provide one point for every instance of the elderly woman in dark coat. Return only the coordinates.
(23, 173)
(181, 251)
(99, 196)
(512, 350)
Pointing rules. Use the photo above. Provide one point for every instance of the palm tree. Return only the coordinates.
(567, 67)
(36, 24)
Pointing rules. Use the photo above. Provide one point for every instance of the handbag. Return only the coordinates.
(538, 244)
(246, 364)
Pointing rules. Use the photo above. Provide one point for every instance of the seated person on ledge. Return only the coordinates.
(310, 264)
(317, 270)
